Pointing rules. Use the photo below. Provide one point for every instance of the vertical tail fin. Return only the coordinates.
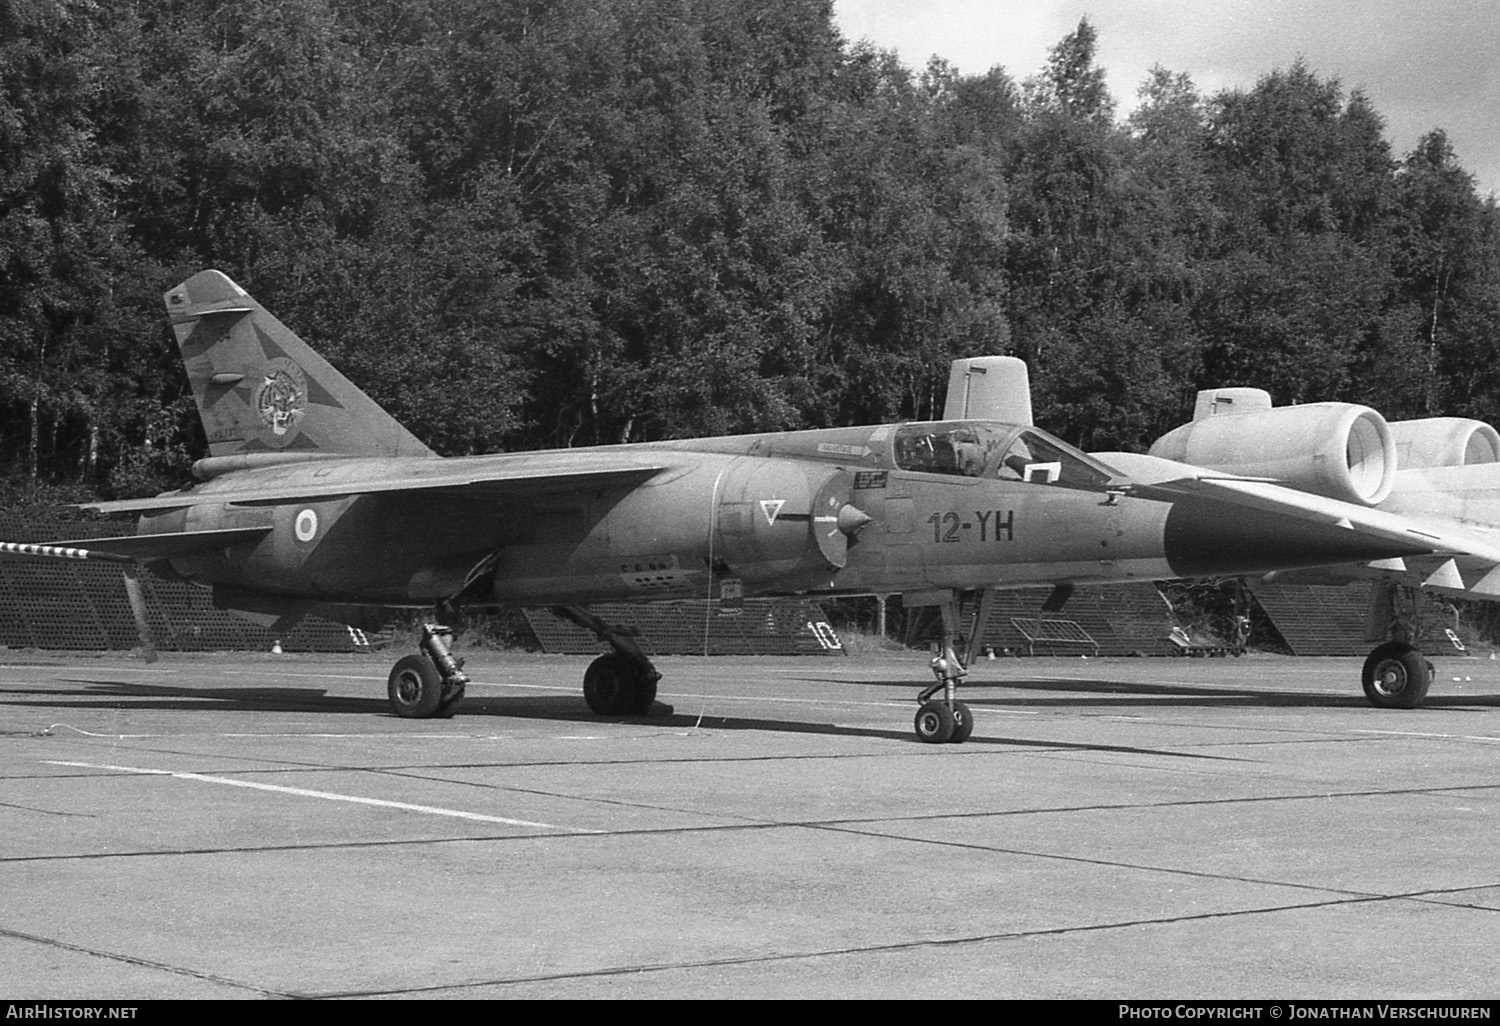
(989, 388)
(261, 389)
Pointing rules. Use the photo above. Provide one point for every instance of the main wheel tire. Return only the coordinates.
(642, 693)
(615, 686)
(415, 688)
(963, 724)
(450, 705)
(934, 723)
(1396, 676)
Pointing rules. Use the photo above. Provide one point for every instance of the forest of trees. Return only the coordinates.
(533, 223)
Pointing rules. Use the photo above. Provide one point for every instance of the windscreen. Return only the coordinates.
(997, 451)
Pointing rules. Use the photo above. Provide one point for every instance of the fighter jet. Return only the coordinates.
(312, 499)
(1439, 474)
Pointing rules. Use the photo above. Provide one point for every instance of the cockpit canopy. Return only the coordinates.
(997, 451)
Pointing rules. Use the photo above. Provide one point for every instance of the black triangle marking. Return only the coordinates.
(267, 346)
(317, 395)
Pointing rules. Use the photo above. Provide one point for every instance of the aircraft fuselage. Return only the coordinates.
(890, 508)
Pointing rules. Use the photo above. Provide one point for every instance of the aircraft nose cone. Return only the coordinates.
(1203, 539)
(851, 518)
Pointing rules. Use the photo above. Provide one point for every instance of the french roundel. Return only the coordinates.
(306, 526)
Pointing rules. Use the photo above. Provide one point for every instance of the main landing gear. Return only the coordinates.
(1396, 675)
(618, 683)
(430, 683)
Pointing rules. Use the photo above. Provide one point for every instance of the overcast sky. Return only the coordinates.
(1424, 64)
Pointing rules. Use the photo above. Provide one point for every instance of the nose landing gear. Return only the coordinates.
(943, 718)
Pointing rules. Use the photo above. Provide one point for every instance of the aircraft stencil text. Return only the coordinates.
(990, 525)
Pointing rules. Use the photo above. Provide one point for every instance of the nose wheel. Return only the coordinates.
(938, 722)
(942, 718)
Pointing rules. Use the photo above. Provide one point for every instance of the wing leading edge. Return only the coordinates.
(137, 548)
(480, 477)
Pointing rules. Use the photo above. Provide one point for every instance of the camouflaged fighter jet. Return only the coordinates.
(314, 500)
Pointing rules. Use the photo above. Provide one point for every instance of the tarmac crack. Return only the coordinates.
(1103, 863)
(857, 950)
(48, 812)
(1182, 804)
(146, 963)
(746, 823)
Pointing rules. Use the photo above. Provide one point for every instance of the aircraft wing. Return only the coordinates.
(496, 477)
(1446, 555)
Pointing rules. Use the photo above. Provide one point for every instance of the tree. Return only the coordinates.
(1448, 265)
(523, 224)
(65, 327)
(1297, 282)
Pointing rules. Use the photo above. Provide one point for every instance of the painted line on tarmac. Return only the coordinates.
(429, 810)
(1448, 737)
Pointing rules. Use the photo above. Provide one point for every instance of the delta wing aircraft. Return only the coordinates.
(314, 500)
(1441, 475)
